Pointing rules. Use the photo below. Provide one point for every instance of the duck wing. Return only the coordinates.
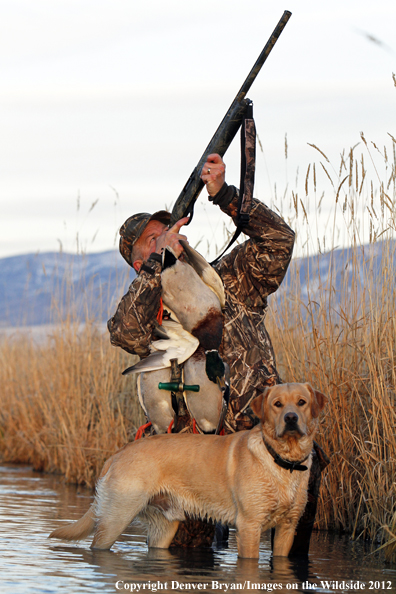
(179, 345)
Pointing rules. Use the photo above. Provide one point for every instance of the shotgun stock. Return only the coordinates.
(225, 133)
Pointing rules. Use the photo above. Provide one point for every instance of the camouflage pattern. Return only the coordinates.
(250, 272)
(249, 140)
(132, 325)
(194, 533)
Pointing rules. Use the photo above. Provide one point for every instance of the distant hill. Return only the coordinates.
(44, 288)
(38, 289)
(346, 268)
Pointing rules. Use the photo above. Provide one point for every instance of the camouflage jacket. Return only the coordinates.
(250, 272)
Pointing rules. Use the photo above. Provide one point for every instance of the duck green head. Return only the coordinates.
(214, 366)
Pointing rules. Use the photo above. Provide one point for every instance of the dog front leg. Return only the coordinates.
(248, 540)
(284, 535)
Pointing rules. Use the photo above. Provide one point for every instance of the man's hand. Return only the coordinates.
(170, 237)
(213, 174)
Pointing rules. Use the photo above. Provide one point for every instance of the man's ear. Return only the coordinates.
(318, 401)
(258, 404)
(137, 265)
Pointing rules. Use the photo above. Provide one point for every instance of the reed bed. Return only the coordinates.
(337, 330)
(65, 408)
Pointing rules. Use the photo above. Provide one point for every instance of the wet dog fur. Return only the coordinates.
(232, 479)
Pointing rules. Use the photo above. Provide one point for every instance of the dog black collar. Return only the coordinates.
(285, 463)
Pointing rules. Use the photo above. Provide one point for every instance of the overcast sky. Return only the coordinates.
(115, 101)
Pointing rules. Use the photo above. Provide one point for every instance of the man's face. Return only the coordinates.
(147, 242)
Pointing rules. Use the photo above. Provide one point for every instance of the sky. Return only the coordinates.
(106, 106)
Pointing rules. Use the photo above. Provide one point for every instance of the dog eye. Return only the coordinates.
(278, 403)
(301, 402)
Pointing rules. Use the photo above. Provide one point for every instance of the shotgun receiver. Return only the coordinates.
(225, 133)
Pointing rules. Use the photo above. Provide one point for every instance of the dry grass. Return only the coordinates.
(64, 407)
(340, 335)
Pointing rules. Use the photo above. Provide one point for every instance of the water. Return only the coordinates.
(33, 504)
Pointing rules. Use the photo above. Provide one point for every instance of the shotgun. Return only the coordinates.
(225, 133)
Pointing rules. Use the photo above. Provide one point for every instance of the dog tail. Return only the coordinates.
(77, 530)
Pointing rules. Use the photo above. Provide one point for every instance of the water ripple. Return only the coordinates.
(32, 505)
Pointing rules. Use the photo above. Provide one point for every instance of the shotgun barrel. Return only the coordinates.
(226, 132)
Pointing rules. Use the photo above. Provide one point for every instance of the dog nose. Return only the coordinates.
(291, 418)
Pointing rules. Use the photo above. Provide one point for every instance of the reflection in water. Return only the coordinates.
(32, 505)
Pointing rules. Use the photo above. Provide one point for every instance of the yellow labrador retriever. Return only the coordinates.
(253, 480)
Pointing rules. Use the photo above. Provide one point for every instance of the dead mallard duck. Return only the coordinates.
(193, 293)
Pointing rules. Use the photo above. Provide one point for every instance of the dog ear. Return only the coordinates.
(318, 401)
(257, 405)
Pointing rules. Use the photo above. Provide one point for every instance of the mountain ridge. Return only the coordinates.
(44, 288)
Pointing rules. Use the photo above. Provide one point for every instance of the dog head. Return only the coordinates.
(289, 410)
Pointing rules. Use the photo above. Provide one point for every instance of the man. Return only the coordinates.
(250, 272)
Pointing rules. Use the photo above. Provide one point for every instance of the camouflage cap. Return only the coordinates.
(133, 227)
